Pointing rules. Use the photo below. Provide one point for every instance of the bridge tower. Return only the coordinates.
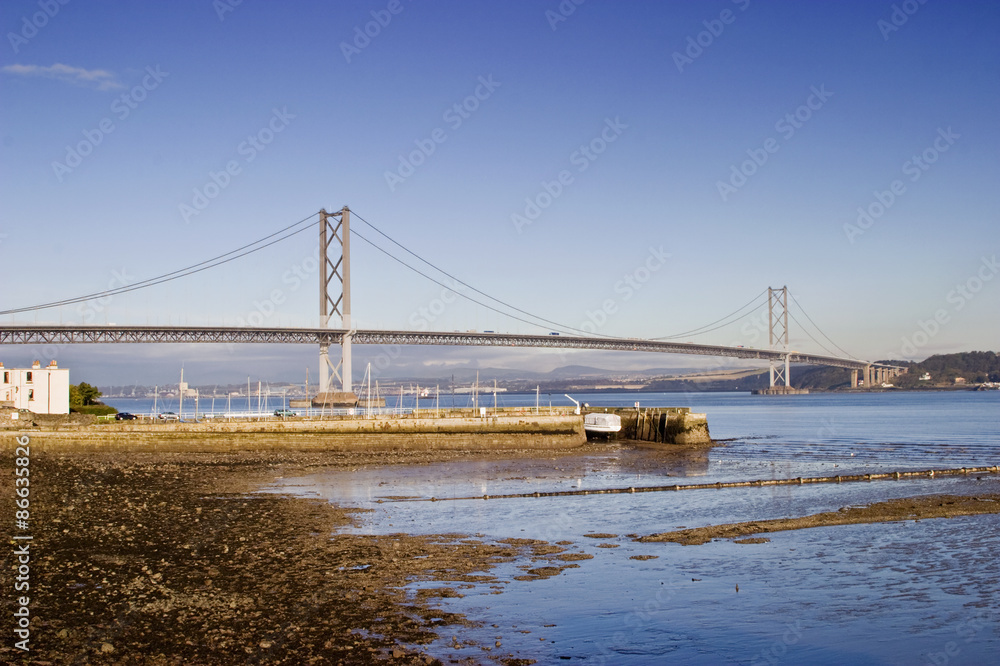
(335, 227)
(777, 333)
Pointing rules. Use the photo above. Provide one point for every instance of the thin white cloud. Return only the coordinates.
(99, 79)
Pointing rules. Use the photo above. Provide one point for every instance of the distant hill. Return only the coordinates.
(975, 367)
(466, 375)
(816, 378)
(821, 378)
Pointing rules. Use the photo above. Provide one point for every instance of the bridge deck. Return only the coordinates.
(41, 334)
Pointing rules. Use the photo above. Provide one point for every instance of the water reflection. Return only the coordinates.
(896, 593)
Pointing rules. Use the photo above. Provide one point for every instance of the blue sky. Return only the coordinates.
(739, 138)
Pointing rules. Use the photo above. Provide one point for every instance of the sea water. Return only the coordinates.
(914, 592)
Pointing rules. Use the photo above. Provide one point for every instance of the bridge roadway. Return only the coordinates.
(71, 334)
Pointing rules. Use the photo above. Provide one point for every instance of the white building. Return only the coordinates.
(39, 390)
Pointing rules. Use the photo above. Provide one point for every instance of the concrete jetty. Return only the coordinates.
(661, 425)
(456, 429)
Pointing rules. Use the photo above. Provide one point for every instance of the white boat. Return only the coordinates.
(602, 424)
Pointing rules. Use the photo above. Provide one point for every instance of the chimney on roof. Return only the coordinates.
(36, 365)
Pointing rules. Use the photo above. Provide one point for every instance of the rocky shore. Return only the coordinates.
(159, 557)
(166, 558)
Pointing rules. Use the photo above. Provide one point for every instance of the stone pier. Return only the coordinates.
(662, 425)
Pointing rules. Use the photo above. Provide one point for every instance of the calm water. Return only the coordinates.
(897, 593)
(204, 405)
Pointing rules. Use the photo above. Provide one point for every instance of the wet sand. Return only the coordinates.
(141, 558)
(909, 508)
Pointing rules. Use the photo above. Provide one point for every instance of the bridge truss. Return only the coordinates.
(71, 334)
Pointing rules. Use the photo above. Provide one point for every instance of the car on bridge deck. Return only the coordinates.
(168, 416)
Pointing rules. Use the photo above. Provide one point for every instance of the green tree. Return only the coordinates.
(83, 394)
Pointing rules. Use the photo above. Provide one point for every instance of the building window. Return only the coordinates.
(6, 378)
(27, 377)
(31, 394)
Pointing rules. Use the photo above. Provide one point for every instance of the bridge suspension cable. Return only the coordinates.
(442, 284)
(287, 232)
(562, 327)
(225, 258)
(822, 346)
(705, 329)
(796, 301)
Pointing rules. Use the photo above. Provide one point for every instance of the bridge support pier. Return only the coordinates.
(874, 377)
(335, 226)
(777, 333)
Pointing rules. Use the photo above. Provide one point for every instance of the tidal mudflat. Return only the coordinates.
(350, 557)
(905, 591)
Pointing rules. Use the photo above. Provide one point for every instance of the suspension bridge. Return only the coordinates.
(335, 301)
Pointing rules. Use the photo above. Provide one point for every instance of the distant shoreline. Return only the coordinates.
(939, 389)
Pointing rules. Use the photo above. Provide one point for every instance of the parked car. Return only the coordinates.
(125, 416)
(284, 413)
(169, 416)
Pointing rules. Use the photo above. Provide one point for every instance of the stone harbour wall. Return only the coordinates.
(499, 432)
